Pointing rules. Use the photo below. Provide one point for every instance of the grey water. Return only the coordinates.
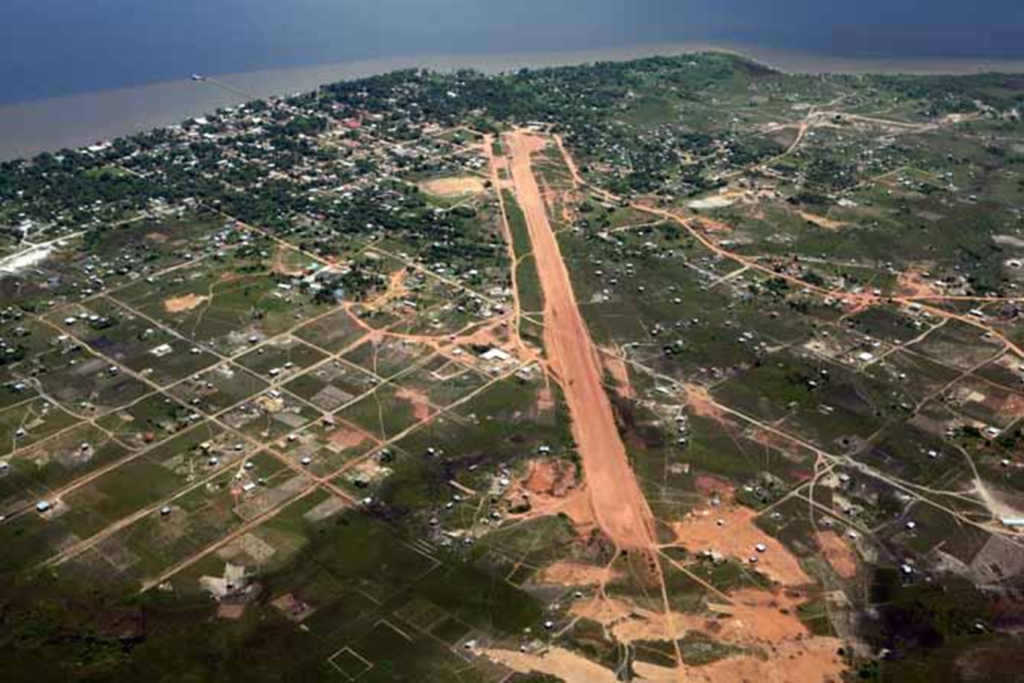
(73, 72)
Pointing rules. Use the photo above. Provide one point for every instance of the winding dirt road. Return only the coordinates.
(618, 503)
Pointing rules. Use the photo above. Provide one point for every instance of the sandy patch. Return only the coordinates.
(812, 661)
(838, 553)
(453, 187)
(33, 256)
(343, 439)
(628, 622)
(420, 402)
(719, 202)
(709, 485)
(757, 616)
(396, 288)
(709, 226)
(494, 335)
(700, 403)
(1009, 406)
(370, 470)
(182, 304)
(545, 400)
(783, 134)
(549, 478)
(558, 662)
(550, 487)
(764, 621)
(754, 617)
(280, 262)
(230, 610)
(992, 499)
(737, 536)
(573, 574)
(821, 221)
(912, 283)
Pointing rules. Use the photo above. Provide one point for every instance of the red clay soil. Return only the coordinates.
(700, 403)
(419, 401)
(549, 478)
(838, 553)
(551, 488)
(730, 530)
(912, 283)
(710, 484)
(619, 505)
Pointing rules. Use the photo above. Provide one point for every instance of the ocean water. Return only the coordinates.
(77, 71)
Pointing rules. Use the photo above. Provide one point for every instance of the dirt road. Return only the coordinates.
(618, 503)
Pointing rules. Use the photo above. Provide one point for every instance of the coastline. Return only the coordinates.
(32, 127)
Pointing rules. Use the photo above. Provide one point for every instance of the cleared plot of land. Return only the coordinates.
(454, 187)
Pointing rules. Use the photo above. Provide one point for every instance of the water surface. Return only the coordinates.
(74, 72)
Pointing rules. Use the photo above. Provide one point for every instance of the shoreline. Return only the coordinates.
(37, 126)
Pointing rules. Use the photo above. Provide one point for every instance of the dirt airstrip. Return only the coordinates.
(616, 499)
(776, 645)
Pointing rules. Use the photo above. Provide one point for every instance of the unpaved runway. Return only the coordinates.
(618, 503)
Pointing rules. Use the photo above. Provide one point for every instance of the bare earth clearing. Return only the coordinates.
(730, 531)
(821, 221)
(183, 304)
(454, 187)
(781, 650)
(838, 553)
(551, 488)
